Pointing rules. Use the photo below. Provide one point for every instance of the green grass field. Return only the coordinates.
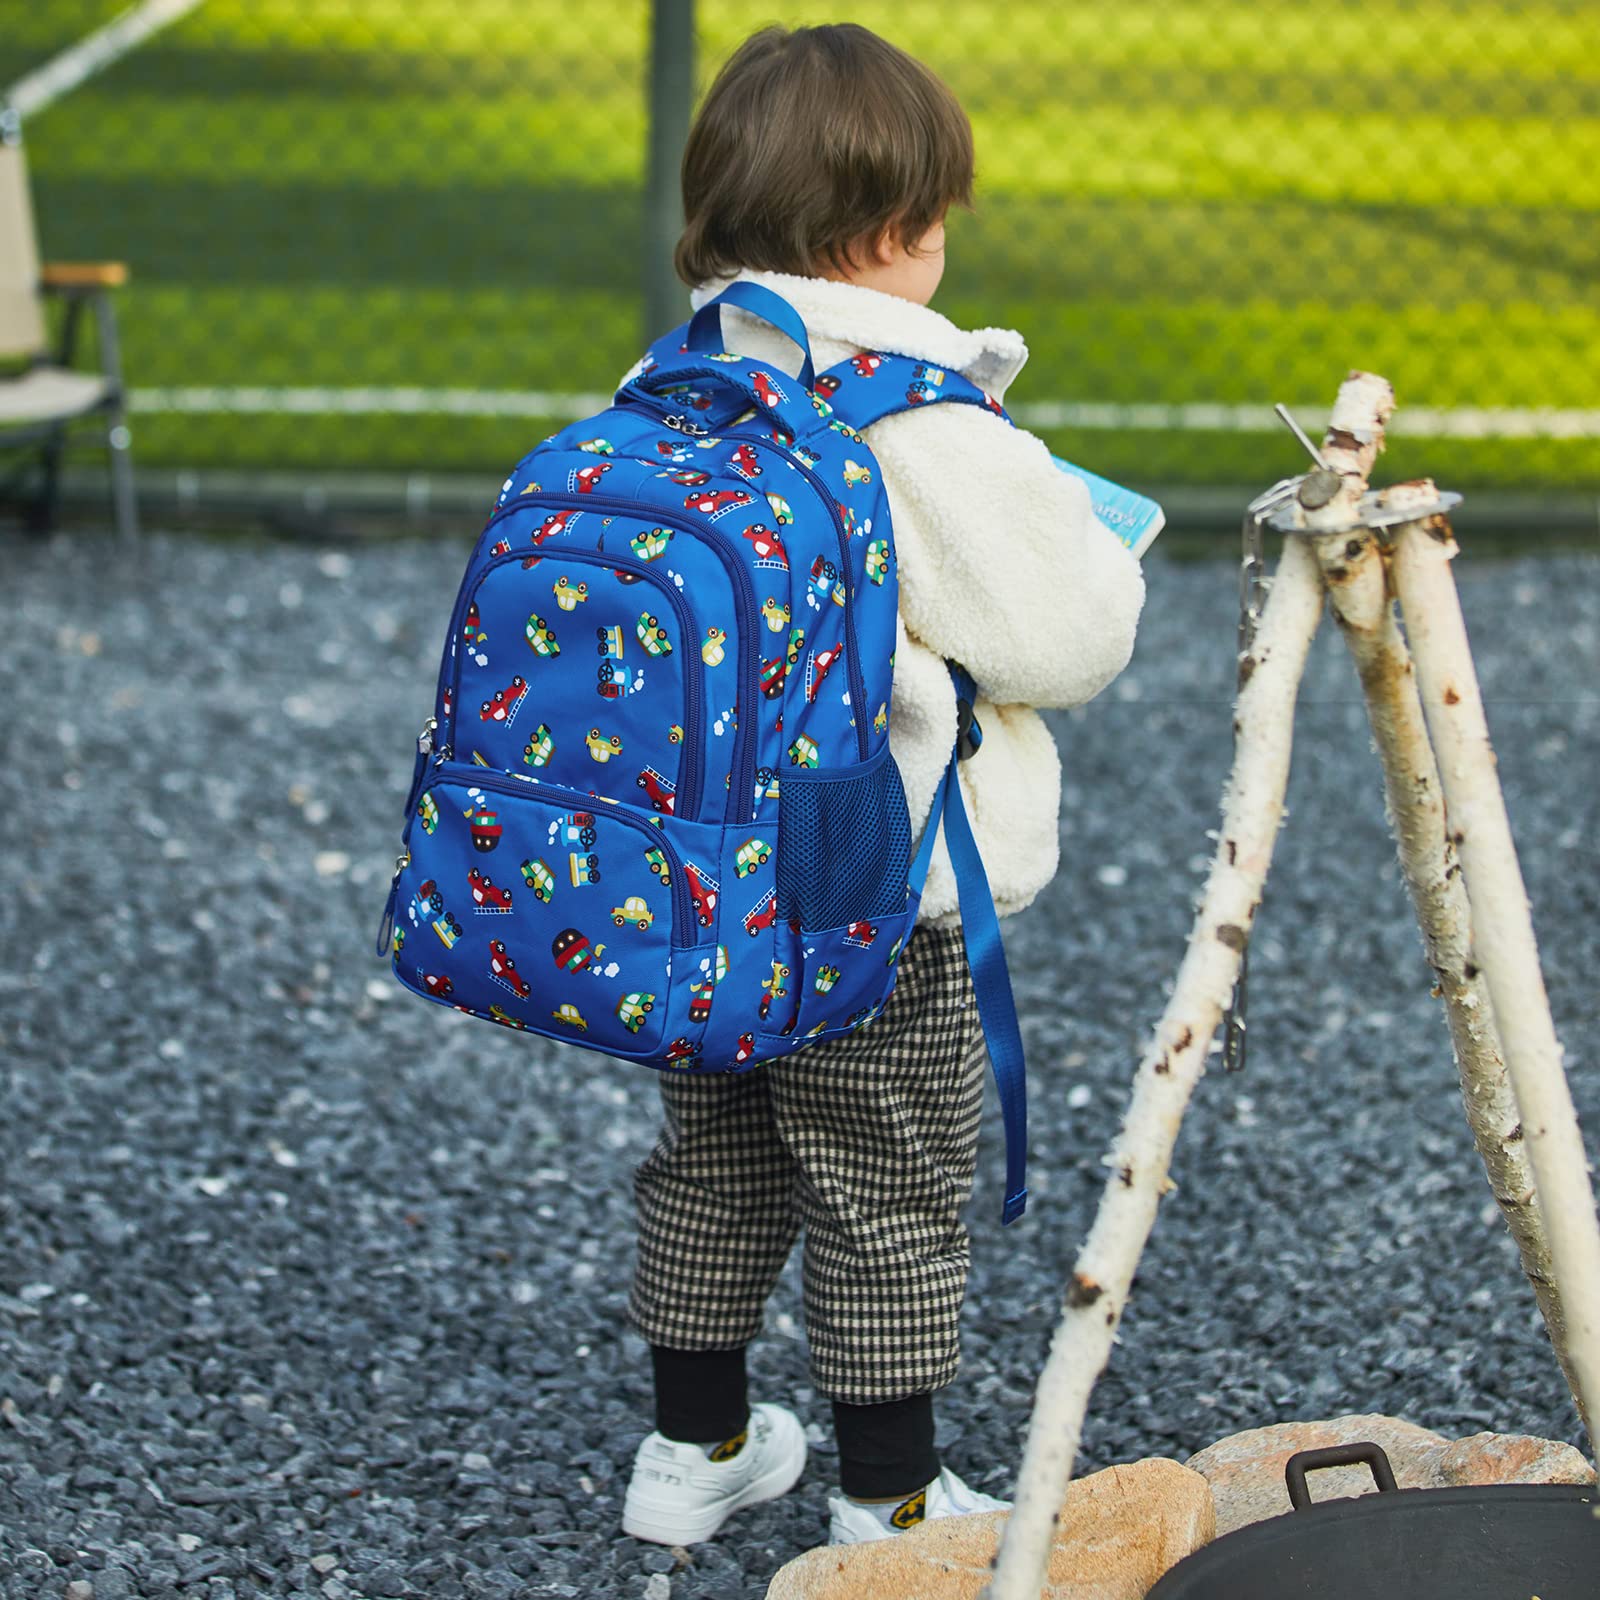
(1178, 202)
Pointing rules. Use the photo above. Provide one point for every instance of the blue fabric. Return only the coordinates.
(705, 327)
(986, 956)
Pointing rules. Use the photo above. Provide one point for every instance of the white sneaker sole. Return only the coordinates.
(661, 1522)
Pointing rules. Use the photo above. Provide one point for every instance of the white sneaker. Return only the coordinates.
(946, 1496)
(679, 1495)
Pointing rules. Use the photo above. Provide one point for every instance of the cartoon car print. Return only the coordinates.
(933, 375)
(587, 479)
(675, 733)
(700, 992)
(487, 895)
(538, 877)
(576, 827)
(569, 594)
(713, 650)
(773, 674)
(855, 474)
(502, 706)
(505, 1019)
(718, 502)
(428, 812)
(777, 616)
(657, 858)
(866, 364)
(485, 827)
(652, 543)
(539, 749)
(763, 914)
(746, 462)
(609, 641)
(845, 428)
(681, 1050)
(471, 627)
(766, 783)
(569, 1014)
(504, 971)
(880, 718)
(602, 747)
(824, 583)
(689, 477)
(803, 752)
(746, 1048)
(797, 641)
(617, 682)
(767, 392)
(753, 853)
(825, 979)
(773, 988)
(540, 638)
(570, 950)
(437, 984)
(654, 638)
(583, 869)
(556, 522)
(448, 929)
(703, 892)
(633, 1008)
(768, 546)
(821, 406)
(426, 903)
(817, 669)
(633, 910)
(860, 934)
(597, 447)
(805, 455)
(877, 560)
(661, 794)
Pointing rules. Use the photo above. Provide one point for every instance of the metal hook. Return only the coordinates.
(1295, 428)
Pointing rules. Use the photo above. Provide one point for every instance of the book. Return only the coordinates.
(1134, 519)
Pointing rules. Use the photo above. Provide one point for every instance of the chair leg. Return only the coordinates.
(43, 511)
(120, 442)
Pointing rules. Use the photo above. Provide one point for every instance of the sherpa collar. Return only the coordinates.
(869, 319)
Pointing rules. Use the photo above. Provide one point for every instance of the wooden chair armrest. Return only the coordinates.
(82, 277)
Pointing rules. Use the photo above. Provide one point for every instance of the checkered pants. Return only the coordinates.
(868, 1141)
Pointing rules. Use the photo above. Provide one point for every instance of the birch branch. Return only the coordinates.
(1252, 812)
(1503, 944)
(1354, 571)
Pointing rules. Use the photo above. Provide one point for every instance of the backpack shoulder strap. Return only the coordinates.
(876, 384)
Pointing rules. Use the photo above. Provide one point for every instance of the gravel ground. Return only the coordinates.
(310, 1288)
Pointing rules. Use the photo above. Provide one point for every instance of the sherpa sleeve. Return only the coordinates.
(1003, 565)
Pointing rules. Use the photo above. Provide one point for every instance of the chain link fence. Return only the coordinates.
(401, 235)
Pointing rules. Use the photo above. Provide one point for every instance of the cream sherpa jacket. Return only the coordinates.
(1003, 567)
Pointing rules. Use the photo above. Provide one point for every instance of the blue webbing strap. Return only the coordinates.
(705, 326)
(980, 927)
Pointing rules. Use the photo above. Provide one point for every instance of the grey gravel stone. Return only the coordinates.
(249, 1165)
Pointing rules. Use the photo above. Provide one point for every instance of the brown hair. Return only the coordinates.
(810, 143)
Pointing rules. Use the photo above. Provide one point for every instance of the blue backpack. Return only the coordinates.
(654, 812)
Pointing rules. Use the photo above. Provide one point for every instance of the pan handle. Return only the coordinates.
(1338, 1455)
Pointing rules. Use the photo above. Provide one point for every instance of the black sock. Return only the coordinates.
(886, 1449)
(700, 1394)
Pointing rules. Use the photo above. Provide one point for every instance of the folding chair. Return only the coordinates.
(47, 400)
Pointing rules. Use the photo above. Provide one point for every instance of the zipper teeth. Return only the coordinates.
(691, 658)
(509, 783)
(744, 592)
(858, 685)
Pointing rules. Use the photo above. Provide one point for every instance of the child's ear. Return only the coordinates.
(885, 247)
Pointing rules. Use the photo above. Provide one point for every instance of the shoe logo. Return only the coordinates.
(910, 1512)
(729, 1448)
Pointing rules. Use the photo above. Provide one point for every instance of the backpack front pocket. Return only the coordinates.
(540, 908)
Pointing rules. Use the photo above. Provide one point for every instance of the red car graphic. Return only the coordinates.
(746, 462)
(504, 702)
(866, 364)
(487, 894)
(861, 934)
(555, 523)
(587, 478)
(714, 503)
(768, 546)
(702, 892)
(763, 915)
(820, 663)
(766, 390)
(747, 1047)
(659, 792)
(504, 970)
(689, 477)
(682, 1050)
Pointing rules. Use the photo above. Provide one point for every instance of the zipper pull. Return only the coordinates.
(425, 738)
(386, 926)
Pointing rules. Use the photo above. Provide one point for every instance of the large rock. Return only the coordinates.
(1120, 1530)
(1245, 1470)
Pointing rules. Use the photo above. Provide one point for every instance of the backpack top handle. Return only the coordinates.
(705, 327)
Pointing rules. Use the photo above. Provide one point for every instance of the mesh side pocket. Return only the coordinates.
(844, 844)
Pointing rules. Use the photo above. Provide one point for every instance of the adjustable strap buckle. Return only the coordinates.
(969, 732)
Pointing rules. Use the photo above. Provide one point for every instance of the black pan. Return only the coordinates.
(1493, 1542)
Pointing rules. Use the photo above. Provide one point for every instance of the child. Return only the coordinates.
(822, 165)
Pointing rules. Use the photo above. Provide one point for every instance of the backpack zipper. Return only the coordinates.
(743, 781)
(690, 791)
